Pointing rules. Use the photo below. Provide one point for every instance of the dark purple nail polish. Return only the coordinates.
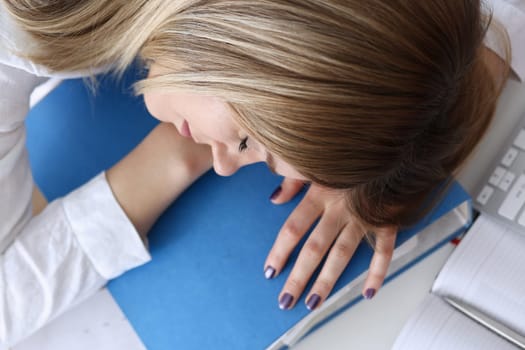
(276, 193)
(313, 301)
(369, 293)
(269, 272)
(286, 301)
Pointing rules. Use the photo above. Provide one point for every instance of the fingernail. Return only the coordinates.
(313, 301)
(269, 272)
(286, 301)
(276, 193)
(369, 293)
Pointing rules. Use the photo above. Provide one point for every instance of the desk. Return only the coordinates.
(99, 324)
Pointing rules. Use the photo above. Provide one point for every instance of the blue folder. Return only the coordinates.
(205, 287)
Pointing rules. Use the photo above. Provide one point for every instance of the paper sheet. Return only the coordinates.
(437, 325)
(488, 272)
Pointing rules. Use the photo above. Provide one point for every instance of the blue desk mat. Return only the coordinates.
(205, 287)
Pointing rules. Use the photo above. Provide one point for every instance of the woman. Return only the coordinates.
(375, 103)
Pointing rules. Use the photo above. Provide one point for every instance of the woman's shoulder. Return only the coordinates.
(14, 42)
(510, 15)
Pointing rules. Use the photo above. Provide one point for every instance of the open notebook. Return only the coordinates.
(486, 274)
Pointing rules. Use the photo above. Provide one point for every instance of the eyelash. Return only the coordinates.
(243, 145)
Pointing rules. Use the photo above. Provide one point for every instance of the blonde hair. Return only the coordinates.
(382, 100)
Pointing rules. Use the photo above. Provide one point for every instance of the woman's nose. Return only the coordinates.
(224, 163)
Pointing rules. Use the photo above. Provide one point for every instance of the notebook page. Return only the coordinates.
(487, 271)
(436, 325)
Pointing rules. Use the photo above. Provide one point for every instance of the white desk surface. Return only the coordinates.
(99, 324)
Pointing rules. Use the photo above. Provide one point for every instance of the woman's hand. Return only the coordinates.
(336, 236)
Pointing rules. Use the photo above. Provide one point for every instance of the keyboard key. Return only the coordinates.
(514, 200)
(496, 176)
(520, 140)
(506, 181)
(485, 194)
(521, 220)
(509, 157)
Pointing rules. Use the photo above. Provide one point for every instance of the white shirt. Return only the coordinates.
(68, 252)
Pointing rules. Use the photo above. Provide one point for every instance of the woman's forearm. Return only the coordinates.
(39, 201)
(158, 170)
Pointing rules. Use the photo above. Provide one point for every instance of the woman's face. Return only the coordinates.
(209, 120)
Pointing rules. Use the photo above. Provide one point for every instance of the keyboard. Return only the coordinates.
(502, 194)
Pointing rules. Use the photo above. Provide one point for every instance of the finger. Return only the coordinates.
(336, 262)
(293, 230)
(384, 248)
(286, 191)
(309, 258)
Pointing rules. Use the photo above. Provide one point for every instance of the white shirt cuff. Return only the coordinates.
(103, 230)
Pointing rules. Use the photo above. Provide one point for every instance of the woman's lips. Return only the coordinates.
(185, 129)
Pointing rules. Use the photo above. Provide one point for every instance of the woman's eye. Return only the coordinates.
(243, 145)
